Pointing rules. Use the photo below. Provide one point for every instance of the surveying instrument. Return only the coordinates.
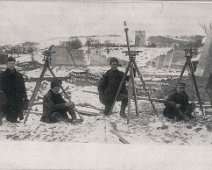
(131, 87)
(189, 54)
(47, 58)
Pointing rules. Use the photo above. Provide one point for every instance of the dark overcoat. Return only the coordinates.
(109, 84)
(52, 103)
(171, 101)
(13, 86)
(2, 101)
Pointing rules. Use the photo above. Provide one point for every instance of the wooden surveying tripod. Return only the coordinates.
(132, 65)
(47, 59)
(189, 54)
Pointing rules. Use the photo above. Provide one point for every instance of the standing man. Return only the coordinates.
(13, 87)
(177, 106)
(108, 87)
(55, 108)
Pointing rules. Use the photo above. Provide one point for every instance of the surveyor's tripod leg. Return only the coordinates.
(195, 86)
(134, 90)
(184, 68)
(34, 94)
(144, 86)
(129, 97)
(120, 87)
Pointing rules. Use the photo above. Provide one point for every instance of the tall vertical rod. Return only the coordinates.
(134, 91)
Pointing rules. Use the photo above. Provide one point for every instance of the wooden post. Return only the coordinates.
(170, 63)
(129, 95)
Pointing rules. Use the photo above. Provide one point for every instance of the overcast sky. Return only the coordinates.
(35, 21)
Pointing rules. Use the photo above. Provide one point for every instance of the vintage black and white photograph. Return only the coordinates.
(105, 73)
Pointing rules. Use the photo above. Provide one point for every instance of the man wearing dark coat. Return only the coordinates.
(55, 108)
(108, 87)
(177, 105)
(13, 86)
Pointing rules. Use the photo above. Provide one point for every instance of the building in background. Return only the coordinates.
(140, 37)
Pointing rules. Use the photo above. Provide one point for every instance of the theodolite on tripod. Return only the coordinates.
(130, 67)
(47, 60)
(189, 54)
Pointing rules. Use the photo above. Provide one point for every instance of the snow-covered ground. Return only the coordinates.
(144, 129)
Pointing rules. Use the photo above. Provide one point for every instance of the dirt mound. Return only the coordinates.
(29, 65)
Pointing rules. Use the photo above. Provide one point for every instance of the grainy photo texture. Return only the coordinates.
(105, 73)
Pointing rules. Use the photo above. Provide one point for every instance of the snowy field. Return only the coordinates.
(144, 129)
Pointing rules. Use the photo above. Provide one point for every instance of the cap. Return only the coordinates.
(114, 59)
(56, 83)
(10, 59)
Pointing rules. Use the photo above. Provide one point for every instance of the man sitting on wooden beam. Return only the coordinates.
(177, 106)
(55, 108)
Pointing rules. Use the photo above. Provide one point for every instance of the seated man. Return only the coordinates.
(177, 106)
(55, 108)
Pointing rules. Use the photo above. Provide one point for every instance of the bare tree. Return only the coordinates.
(205, 28)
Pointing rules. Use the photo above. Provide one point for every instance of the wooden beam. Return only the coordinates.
(121, 139)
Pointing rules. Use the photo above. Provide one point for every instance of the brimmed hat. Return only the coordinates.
(56, 83)
(10, 59)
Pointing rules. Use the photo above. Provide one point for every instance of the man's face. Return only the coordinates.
(114, 65)
(56, 90)
(180, 89)
(11, 65)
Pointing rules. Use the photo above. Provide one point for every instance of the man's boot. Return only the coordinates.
(107, 109)
(20, 116)
(72, 112)
(122, 111)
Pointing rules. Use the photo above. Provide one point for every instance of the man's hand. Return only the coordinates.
(178, 106)
(69, 104)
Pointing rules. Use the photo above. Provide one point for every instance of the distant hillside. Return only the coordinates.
(183, 41)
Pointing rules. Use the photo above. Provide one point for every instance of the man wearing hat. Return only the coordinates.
(55, 108)
(108, 87)
(13, 86)
(177, 106)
